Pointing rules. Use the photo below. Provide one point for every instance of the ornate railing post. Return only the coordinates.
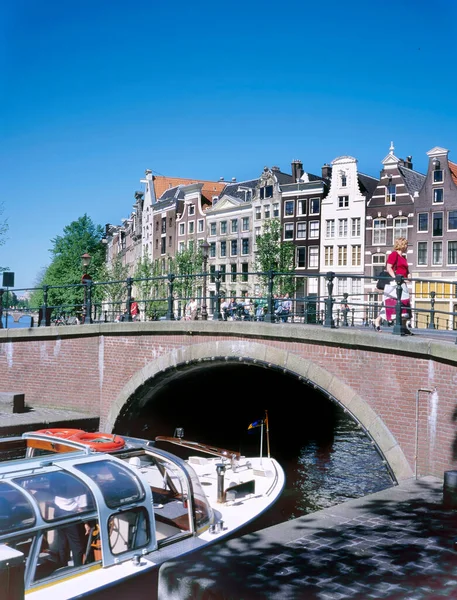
(88, 307)
(2, 291)
(217, 315)
(129, 282)
(328, 321)
(44, 308)
(431, 325)
(170, 311)
(399, 328)
(345, 309)
(270, 316)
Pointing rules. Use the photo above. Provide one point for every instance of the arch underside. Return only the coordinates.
(249, 352)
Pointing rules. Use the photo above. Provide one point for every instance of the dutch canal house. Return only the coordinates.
(301, 225)
(230, 237)
(390, 214)
(434, 241)
(342, 243)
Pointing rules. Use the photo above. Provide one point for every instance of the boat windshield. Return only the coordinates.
(16, 511)
(116, 483)
(203, 513)
(58, 493)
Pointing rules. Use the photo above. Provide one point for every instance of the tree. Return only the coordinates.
(151, 286)
(115, 294)
(80, 237)
(275, 255)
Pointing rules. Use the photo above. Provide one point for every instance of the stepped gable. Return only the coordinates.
(413, 179)
(453, 169)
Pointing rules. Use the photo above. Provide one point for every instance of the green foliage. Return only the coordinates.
(80, 237)
(186, 265)
(115, 294)
(275, 255)
(151, 287)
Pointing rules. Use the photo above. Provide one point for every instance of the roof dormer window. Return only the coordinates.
(437, 171)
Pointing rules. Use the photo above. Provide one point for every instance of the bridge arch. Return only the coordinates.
(262, 354)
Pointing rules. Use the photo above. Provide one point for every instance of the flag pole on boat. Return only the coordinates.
(268, 432)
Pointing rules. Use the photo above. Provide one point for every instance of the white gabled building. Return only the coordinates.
(342, 240)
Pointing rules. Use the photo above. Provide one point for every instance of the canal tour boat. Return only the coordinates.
(93, 513)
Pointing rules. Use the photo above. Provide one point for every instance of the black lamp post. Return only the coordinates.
(86, 280)
(205, 250)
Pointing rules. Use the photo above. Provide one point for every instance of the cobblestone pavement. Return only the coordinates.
(396, 544)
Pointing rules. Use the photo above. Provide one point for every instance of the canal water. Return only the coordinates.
(327, 457)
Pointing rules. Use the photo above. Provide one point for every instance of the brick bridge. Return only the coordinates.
(402, 391)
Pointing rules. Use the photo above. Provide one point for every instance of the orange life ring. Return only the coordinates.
(101, 442)
(61, 433)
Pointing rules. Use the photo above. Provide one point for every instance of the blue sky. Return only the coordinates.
(94, 92)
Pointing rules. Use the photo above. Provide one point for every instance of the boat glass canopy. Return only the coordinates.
(16, 511)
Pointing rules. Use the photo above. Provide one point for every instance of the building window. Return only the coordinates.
(342, 228)
(276, 210)
(343, 201)
(223, 226)
(452, 220)
(328, 256)
(244, 271)
(355, 227)
(182, 228)
(437, 224)
(330, 228)
(437, 176)
(342, 285)
(212, 270)
(378, 264)
(245, 224)
(164, 224)
(233, 247)
(438, 196)
(313, 229)
(422, 222)
(201, 225)
(191, 226)
(301, 231)
(356, 256)
(222, 269)
(245, 246)
(163, 245)
(437, 253)
(356, 286)
(301, 257)
(266, 192)
(212, 249)
(192, 209)
(289, 208)
(344, 180)
(169, 241)
(342, 256)
(191, 245)
(212, 229)
(157, 225)
(266, 211)
(223, 249)
(157, 244)
(301, 207)
(452, 253)
(289, 231)
(234, 225)
(182, 246)
(422, 253)
(314, 206)
(391, 193)
(258, 213)
(379, 231)
(170, 222)
(233, 272)
(258, 232)
(400, 227)
(313, 257)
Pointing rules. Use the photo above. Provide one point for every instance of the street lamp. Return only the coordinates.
(86, 280)
(205, 249)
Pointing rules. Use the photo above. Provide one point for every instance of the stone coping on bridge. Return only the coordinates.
(441, 347)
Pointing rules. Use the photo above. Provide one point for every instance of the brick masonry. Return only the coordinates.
(95, 369)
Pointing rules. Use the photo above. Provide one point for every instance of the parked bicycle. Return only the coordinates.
(63, 319)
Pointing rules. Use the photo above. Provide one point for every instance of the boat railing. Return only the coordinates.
(57, 441)
(199, 446)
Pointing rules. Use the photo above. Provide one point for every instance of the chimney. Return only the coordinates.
(326, 171)
(297, 169)
(409, 162)
(275, 168)
(221, 179)
(233, 179)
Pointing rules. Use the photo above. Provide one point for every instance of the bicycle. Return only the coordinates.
(65, 320)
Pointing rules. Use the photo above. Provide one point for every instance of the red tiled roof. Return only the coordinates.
(210, 188)
(453, 168)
